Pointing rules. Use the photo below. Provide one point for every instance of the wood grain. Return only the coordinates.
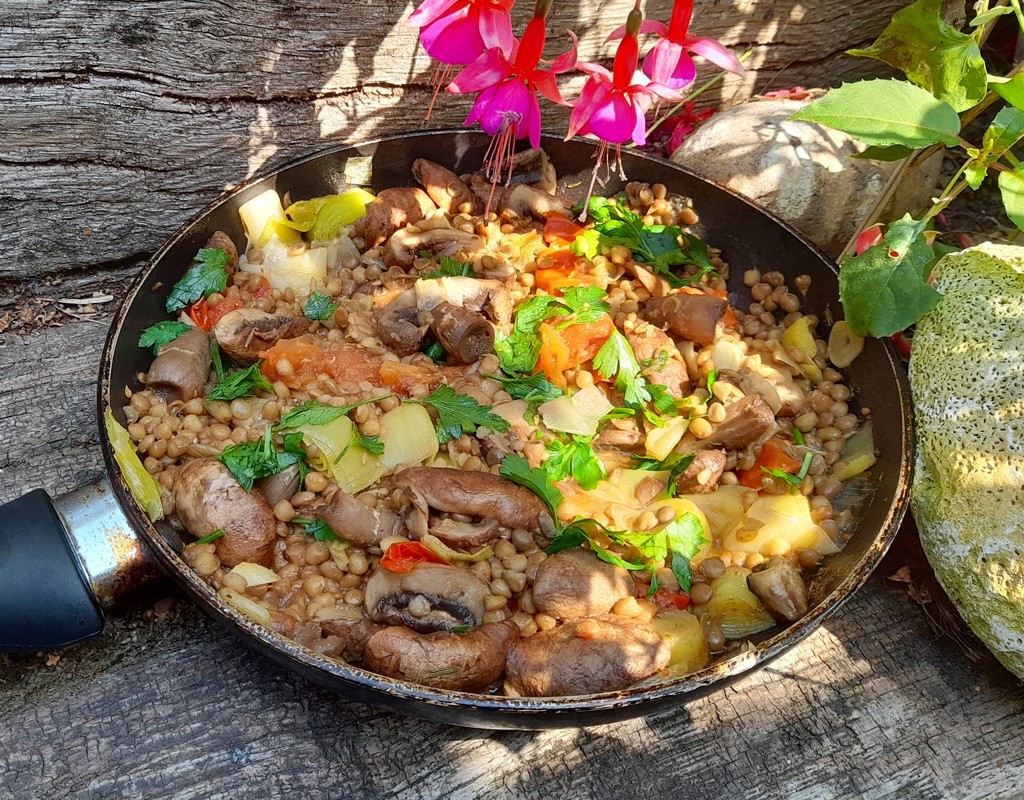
(122, 119)
(872, 705)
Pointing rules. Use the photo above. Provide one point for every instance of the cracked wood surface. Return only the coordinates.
(123, 118)
(872, 705)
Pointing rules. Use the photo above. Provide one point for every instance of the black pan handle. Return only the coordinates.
(62, 562)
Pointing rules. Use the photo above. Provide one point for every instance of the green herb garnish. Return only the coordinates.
(250, 461)
(616, 360)
(675, 464)
(449, 268)
(585, 303)
(240, 383)
(712, 379)
(459, 413)
(212, 537)
(534, 389)
(318, 529)
(313, 412)
(320, 306)
(156, 336)
(436, 351)
(209, 275)
(575, 456)
(518, 351)
(518, 470)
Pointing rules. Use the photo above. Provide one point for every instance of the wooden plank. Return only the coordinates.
(872, 705)
(137, 114)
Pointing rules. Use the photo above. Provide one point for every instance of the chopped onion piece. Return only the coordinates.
(245, 605)
(580, 414)
(408, 435)
(436, 546)
(660, 442)
(255, 574)
(728, 355)
(843, 345)
(858, 455)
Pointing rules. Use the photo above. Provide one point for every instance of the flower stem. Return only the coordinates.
(691, 95)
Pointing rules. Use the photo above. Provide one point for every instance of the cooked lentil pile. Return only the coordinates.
(496, 450)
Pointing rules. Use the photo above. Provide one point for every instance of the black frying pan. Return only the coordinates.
(61, 562)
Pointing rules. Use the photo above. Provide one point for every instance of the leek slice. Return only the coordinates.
(859, 454)
(408, 435)
(352, 467)
(337, 211)
(142, 485)
(735, 607)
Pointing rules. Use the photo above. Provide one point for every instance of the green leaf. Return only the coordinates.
(675, 463)
(210, 537)
(896, 152)
(1006, 130)
(208, 275)
(250, 461)
(518, 352)
(156, 336)
(319, 306)
(883, 290)
(616, 360)
(993, 13)
(1011, 187)
(518, 470)
(932, 54)
(1012, 91)
(459, 413)
(534, 389)
(240, 383)
(885, 113)
(686, 536)
(435, 350)
(449, 268)
(318, 529)
(974, 174)
(313, 412)
(215, 358)
(575, 457)
(587, 304)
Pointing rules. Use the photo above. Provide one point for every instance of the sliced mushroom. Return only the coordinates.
(630, 440)
(181, 367)
(280, 486)
(222, 241)
(431, 597)
(780, 588)
(775, 387)
(404, 245)
(246, 333)
(445, 188)
(354, 635)
(703, 473)
(692, 316)
(595, 654)
(477, 494)
(576, 583)
(383, 293)
(465, 534)
(522, 201)
(655, 284)
(535, 168)
(207, 498)
(392, 209)
(399, 326)
(747, 421)
(358, 523)
(488, 297)
(661, 360)
(465, 335)
(460, 662)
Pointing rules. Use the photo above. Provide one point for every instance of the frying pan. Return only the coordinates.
(62, 562)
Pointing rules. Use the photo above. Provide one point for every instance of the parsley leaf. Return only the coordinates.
(534, 389)
(616, 360)
(685, 536)
(250, 461)
(586, 303)
(318, 529)
(240, 383)
(675, 463)
(207, 276)
(712, 379)
(210, 537)
(459, 413)
(518, 470)
(313, 412)
(575, 457)
(215, 358)
(655, 245)
(450, 268)
(371, 444)
(435, 350)
(156, 336)
(518, 351)
(320, 306)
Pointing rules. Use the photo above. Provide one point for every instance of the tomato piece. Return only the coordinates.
(200, 313)
(663, 597)
(553, 279)
(216, 313)
(567, 348)
(263, 291)
(402, 378)
(307, 358)
(559, 228)
(774, 455)
(405, 556)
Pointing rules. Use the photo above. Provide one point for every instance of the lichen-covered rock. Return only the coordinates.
(967, 373)
(803, 172)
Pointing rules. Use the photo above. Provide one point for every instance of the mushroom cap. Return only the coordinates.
(182, 366)
(430, 597)
(576, 583)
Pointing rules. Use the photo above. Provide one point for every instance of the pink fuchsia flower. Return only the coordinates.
(613, 105)
(669, 61)
(507, 84)
(458, 31)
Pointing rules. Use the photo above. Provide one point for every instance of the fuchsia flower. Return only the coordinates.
(457, 31)
(668, 62)
(507, 82)
(612, 105)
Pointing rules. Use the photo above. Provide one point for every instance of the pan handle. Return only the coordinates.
(62, 563)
